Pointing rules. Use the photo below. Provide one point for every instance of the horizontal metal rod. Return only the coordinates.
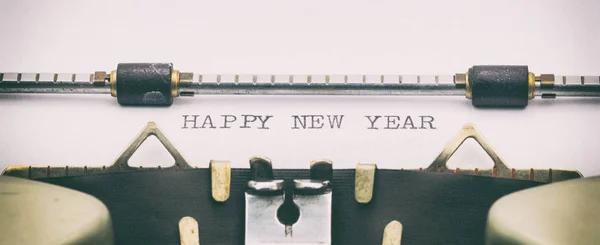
(569, 90)
(190, 89)
(200, 84)
(55, 87)
(321, 89)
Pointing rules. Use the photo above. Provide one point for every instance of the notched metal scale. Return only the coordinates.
(365, 171)
(157, 84)
(298, 210)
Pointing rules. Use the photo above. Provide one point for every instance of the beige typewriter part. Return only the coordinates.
(37, 213)
(558, 213)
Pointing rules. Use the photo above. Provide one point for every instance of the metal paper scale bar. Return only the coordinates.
(153, 84)
(191, 84)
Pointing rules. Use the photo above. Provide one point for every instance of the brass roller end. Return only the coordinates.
(468, 92)
(113, 83)
(175, 83)
(99, 78)
(462, 79)
(546, 80)
(531, 83)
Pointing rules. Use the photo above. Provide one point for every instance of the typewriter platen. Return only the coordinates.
(190, 203)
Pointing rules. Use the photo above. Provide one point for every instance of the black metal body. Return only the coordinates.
(499, 86)
(434, 208)
(144, 84)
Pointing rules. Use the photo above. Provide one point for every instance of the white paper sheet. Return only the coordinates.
(414, 37)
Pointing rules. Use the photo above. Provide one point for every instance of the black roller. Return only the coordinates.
(146, 84)
(499, 86)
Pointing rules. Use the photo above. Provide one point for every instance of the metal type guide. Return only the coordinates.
(157, 84)
(321, 205)
(500, 169)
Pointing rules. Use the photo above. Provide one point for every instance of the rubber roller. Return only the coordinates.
(144, 84)
(499, 86)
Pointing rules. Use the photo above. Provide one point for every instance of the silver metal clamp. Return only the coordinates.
(266, 198)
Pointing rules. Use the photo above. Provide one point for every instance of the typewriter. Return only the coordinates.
(256, 202)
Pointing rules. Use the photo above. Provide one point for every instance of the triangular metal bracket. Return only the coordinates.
(468, 131)
(121, 163)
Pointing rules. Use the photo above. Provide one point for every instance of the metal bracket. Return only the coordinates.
(188, 231)
(500, 169)
(220, 175)
(265, 197)
(364, 182)
(468, 131)
(121, 163)
(392, 234)
(366, 173)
